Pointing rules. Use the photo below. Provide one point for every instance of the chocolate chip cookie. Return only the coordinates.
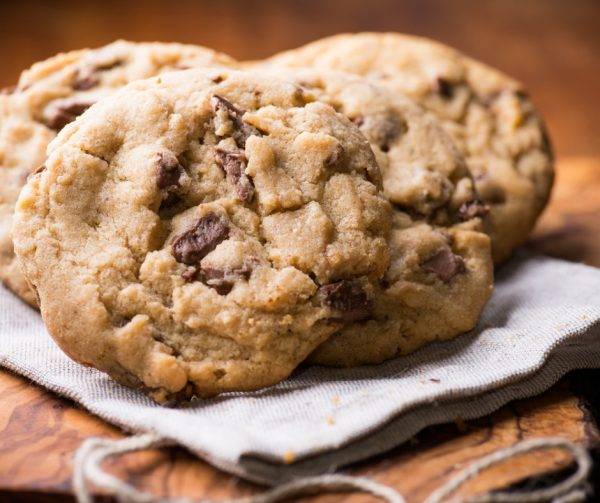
(438, 282)
(203, 231)
(424, 174)
(53, 93)
(440, 276)
(488, 114)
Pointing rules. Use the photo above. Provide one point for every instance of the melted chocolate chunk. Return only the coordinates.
(234, 165)
(472, 209)
(222, 280)
(193, 245)
(444, 88)
(216, 278)
(87, 76)
(242, 130)
(445, 265)
(346, 297)
(169, 170)
(168, 173)
(66, 111)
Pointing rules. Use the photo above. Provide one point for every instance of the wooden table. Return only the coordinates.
(553, 46)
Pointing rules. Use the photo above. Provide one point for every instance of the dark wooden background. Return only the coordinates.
(551, 45)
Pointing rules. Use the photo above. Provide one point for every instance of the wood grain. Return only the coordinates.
(39, 432)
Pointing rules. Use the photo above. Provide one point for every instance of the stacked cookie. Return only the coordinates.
(213, 226)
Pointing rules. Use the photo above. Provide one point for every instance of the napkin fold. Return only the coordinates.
(542, 321)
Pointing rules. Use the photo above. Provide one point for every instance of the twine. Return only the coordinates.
(566, 488)
(94, 451)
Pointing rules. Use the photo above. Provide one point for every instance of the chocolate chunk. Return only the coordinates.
(359, 120)
(336, 156)
(193, 245)
(85, 80)
(444, 88)
(87, 77)
(169, 201)
(190, 274)
(65, 111)
(242, 130)
(169, 170)
(445, 265)
(244, 271)
(222, 280)
(109, 64)
(522, 94)
(389, 130)
(382, 129)
(472, 209)
(346, 297)
(168, 173)
(215, 278)
(234, 165)
(220, 103)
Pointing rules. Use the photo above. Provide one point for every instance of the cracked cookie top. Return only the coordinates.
(489, 116)
(438, 282)
(203, 231)
(440, 273)
(424, 174)
(53, 93)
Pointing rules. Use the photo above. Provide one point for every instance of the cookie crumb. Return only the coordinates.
(289, 457)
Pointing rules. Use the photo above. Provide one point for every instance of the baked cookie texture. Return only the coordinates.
(441, 273)
(488, 115)
(54, 92)
(438, 282)
(203, 231)
(23, 145)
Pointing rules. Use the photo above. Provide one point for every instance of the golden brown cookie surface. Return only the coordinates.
(203, 231)
(440, 275)
(54, 92)
(488, 115)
